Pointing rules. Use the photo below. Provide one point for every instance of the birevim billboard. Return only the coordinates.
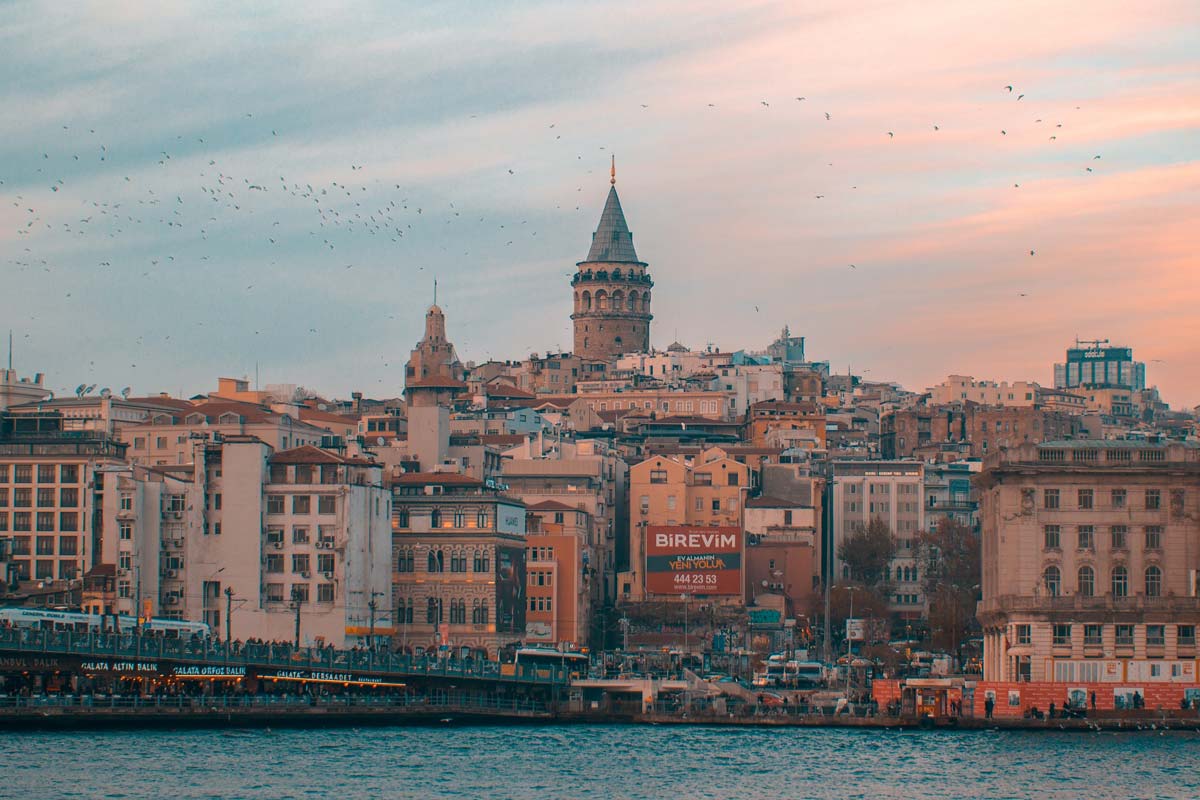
(693, 559)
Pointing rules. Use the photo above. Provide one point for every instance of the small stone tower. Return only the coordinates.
(612, 289)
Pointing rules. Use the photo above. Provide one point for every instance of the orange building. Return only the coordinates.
(706, 490)
(559, 571)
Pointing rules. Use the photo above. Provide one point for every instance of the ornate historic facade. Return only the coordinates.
(612, 290)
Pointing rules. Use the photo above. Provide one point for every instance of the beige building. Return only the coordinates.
(1090, 557)
(51, 482)
(706, 490)
(559, 571)
(660, 401)
(891, 491)
(964, 388)
(253, 542)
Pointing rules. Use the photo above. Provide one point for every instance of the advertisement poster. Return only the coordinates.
(510, 590)
(689, 559)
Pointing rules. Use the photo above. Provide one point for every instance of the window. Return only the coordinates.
(1050, 499)
(68, 498)
(402, 518)
(1087, 582)
(216, 502)
(1120, 536)
(481, 519)
(160, 442)
(22, 498)
(1086, 499)
(325, 562)
(1093, 635)
(299, 535)
(326, 504)
(1024, 634)
(1087, 537)
(1153, 537)
(275, 592)
(458, 612)
(1118, 498)
(1052, 578)
(435, 518)
(3, 473)
(301, 504)
(716, 504)
(436, 562)
(1153, 499)
(1186, 635)
(658, 476)
(275, 536)
(433, 611)
(304, 473)
(458, 562)
(1120, 582)
(404, 561)
(275, 564)
(1153, 581)
(45, 498)
(1062, 634)
(274, 504)
(702, 479)
(22, 521)
(3, 497)
(299, 563)
(23, 473)
(3, 521)
(45, 545)
(46, 473)
(1124, 636)
(45, 521)
(460, 518)
(1052, 537)
(1156, 635)
(324, 592)
(787, 518)
(479, 612)
(481, 561)
(68, 521)
(299, 592)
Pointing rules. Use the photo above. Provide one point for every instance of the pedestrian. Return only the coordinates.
(989, 705)
(1051, 710)
(1093, 700)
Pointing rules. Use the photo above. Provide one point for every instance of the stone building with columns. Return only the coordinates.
(611, 290)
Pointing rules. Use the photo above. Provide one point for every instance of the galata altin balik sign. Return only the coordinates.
(694, 560)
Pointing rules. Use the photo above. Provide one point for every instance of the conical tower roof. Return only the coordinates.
(612, 240)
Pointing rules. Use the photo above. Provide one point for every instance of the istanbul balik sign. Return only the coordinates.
(690, 559)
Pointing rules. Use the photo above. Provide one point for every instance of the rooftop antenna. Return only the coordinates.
(10, 349)
(126, 390)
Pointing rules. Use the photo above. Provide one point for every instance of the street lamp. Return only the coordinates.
(686, 602)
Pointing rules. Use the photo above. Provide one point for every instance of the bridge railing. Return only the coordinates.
(211, 651)
(409, 702)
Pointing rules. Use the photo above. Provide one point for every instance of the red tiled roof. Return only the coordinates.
(307, 454)
(772, 502)
(435, 382)
(505, 389)
(503, 439)
(435, 479)
(315, 415)
(550, 505)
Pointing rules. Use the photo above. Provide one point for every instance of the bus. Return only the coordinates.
(575, 663)
(46, 620)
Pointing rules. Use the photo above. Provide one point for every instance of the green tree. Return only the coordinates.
(868, 553)
(952, 567)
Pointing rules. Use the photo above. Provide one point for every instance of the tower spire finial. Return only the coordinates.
(435, 291)
(612, 173)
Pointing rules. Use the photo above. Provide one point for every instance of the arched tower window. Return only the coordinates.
(587, 301)
(633, 301)
(602, 300)
(618, 300)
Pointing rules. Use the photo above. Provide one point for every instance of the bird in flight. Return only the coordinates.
(891, 135)
(1030, 252)
(1022, 294)
(1095, 157)
(936, 128)
(827, 115)
(853, 267)
(1020, 96)
(800, 98)
(1004, 133)
(1009, 89)
(765, 103)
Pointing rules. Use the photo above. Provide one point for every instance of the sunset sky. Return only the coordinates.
(158, 229)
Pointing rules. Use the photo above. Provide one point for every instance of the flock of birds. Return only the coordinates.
(107, 202)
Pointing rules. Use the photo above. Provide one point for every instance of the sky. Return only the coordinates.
(195, 190)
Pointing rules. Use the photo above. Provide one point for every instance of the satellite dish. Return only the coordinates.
(80, 389)
(379, 441)
(106, 392)
(322, 407)
(764, 583)
(125, 393)
(90, 389)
